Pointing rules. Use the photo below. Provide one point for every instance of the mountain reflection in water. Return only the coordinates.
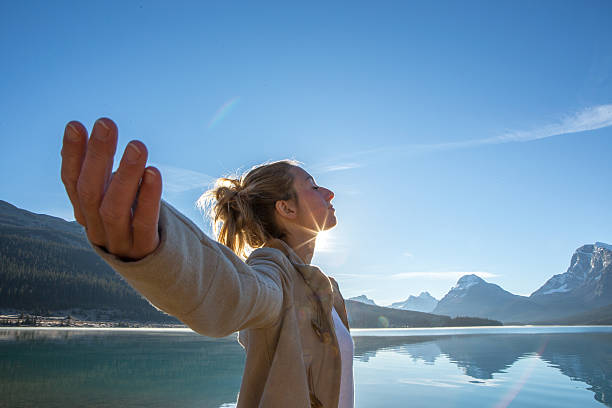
(585, 357)
(74, 368)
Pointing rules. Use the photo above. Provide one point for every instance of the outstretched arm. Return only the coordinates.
(203, 283)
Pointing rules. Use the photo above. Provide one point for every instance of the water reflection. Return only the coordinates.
(117, 369)
(585, 357)
(73, 368)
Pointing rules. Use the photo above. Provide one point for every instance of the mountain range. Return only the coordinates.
(581, 294)
(363, 299)
(422, 303)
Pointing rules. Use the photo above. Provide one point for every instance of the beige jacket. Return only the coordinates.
(281, 307)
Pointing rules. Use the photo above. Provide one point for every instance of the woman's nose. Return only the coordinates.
(330, 194)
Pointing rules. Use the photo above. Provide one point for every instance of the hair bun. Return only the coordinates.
(226, 193)
(242, 209)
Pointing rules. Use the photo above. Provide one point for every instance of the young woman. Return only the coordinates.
(290, 316)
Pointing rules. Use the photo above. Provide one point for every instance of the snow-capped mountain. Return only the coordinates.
(472, 296)
(422, 303)
(587, 283)
(363, 299)
(464, 283)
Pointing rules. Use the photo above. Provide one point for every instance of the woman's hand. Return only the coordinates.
(120, 211)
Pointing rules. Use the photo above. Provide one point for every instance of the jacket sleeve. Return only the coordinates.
(202, 282)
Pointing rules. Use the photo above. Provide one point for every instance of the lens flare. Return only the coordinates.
(383, 322)
(518, 386)
(223, 111)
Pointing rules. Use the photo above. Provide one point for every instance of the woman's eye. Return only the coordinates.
(315, 187)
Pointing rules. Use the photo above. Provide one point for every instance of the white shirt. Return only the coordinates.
(345, 342)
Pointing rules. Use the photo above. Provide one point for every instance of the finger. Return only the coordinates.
(95, 173)
(73, 153)
(116, 207)
(146, 214)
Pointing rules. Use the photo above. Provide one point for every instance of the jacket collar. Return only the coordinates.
(317, 280)
(323, 286)
(285, 249)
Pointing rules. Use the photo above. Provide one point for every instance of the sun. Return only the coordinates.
(325, 241)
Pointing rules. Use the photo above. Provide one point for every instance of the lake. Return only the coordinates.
(456, 367)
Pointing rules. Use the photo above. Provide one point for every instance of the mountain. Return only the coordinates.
(22, 223)
(587, 283)
(472, 296)
(422, 303)
(580, 295)
(362, 315)
(363, 299)
(47, 265)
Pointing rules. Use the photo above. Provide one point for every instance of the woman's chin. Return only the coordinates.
(330, 223)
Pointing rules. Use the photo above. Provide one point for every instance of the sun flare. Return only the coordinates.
(325, 241)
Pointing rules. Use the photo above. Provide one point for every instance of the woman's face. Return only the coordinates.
(315, 211)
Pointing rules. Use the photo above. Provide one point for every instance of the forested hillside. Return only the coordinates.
(364, 315)
(47, 265)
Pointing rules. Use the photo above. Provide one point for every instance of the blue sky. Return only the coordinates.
(459, 137)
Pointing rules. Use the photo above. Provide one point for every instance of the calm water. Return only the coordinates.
(501, 367)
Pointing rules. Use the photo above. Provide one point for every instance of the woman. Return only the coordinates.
(290, 316)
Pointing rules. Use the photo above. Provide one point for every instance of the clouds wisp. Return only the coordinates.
(592, 118)
(178, 180)
(336, 167)
(450, 275)
(455, 275)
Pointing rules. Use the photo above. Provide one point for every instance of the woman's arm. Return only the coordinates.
(201, 282)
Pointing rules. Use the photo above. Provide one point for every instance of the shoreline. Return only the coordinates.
(32, 321)
(109, 319)
(26, 320)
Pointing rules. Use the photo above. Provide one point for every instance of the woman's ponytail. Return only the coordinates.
(242, 210)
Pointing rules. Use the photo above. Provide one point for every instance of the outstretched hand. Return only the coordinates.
(120, 211)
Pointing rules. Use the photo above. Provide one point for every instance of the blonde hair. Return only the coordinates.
(242, 209)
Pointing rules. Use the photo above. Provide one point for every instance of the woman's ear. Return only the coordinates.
(286, 209)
